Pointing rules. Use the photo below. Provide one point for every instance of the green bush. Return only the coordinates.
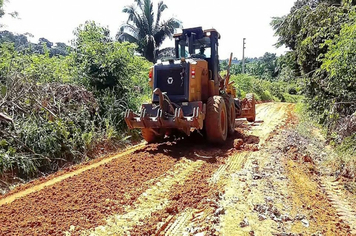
(64, 106)
(264, 90)
(292, 90)
(37, 67)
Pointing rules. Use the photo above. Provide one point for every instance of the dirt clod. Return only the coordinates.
(238, 143)
(244, 223)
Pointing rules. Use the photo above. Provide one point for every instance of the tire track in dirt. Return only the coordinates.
(206, 215)
(242, 192)
(271, 115)
(150, 201)
(271, 195)
(196, 220)
(235, 162)
(336, 195)
(310, 202)
(196, 194)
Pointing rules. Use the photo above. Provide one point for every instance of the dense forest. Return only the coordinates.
(63, 104)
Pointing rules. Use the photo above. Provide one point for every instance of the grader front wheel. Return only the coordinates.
(216, 122)
(231, 114)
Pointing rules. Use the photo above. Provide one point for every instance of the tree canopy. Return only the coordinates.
(321, 35)
(22, 44)
(146, 28)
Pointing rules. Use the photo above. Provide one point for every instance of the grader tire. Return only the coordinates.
(150, 136)
(251, 98)
(216, 120)
(231, 114)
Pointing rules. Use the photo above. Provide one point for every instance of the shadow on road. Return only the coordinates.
(196, 147)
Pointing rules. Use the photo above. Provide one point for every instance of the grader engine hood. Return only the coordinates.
(170, 107)
(173, 79)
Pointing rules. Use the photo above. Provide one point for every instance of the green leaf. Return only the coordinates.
(3, 90)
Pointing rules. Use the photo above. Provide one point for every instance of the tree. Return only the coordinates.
(311, 30)
(1, 8)
(287, 67)
(110, 69)
(14, 14)
(46, 42)
(146, 30)
(22, 44)
(309, 24)
(166, 53)
(339, 64)
(20, 41)
(103, 63)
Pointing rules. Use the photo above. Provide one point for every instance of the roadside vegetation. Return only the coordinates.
(321, 38)
(270, 78)
(265, 90)
(58, 109)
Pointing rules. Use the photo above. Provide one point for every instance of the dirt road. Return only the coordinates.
(187, 187)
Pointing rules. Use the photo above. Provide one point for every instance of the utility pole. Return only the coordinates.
(243, 55)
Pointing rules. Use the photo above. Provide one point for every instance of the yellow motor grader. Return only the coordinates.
(189, 94)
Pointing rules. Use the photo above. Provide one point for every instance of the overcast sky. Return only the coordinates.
(56, 20)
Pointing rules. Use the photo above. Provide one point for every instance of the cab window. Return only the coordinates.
(205, 51)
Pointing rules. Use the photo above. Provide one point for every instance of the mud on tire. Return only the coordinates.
(231, 114)
(251, 99)
(216, 120)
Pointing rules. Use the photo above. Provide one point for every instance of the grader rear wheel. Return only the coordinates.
(216, 122)
(251, 99)
(152, 136)
(231, 114)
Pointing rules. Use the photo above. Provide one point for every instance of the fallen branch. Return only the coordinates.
(5, 118)
(54, 115)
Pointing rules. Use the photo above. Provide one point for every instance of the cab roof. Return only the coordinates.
(198, 31)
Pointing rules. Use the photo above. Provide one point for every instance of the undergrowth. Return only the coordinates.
(341, 157)
(265, 90)
(67, 109)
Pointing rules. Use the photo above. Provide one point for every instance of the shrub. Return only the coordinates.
(63, 107)
(263, 90)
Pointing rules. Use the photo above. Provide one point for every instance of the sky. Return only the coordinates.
(234, 20)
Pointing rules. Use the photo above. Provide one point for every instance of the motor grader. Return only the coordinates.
(189, 94)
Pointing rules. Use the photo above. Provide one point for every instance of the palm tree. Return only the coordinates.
(144, 29)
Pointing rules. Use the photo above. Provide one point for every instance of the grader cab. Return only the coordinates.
(189, 94)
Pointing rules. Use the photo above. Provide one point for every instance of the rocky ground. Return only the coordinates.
(267, 179)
